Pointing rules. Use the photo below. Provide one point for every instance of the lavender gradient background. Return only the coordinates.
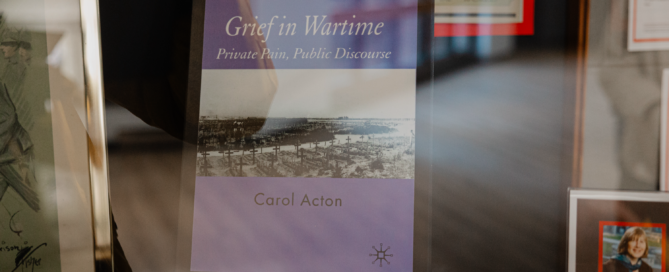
(232, 233)
(399, 32)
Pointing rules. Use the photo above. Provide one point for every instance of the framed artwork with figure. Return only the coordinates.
(54, 213)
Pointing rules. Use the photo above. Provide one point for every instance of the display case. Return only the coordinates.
(399, 135)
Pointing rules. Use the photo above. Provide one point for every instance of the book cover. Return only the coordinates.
(306, 140)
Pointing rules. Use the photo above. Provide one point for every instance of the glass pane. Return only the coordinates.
(498, 143)
(313, 135)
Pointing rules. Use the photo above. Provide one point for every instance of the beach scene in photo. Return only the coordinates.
(308, 123)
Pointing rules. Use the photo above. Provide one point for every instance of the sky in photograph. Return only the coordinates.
(316, 93)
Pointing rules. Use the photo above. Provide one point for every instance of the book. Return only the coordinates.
(306, 138)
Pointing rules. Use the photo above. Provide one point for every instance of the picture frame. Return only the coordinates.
(607, 228)
(488, 12)
(460, 25)
(664, 179)
(647, 26)
(57, 207)
(608, 235)
(604, 150)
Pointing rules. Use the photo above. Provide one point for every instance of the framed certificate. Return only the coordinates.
(483, 18)
(54, 204)
(613, 229)
(478, 11)
(648, 25)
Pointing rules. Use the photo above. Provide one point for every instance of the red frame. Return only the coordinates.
(634, 29)
(524, 28)
(629, 224)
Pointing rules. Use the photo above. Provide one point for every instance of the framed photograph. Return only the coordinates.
(620, 242)
(54, 203)
(617, 231)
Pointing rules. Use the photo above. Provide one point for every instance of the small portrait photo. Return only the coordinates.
(626, 246)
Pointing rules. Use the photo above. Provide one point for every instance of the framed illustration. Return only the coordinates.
(54, 202)
(615, 230)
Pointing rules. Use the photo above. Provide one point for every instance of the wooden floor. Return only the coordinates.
(496, 194)
(497, 202)
(145, 199)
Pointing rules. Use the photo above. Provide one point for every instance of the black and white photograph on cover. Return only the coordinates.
(316, 123)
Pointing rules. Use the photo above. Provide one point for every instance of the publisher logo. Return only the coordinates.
(381, 255)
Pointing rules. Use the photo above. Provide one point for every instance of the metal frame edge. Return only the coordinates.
(97, 140)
